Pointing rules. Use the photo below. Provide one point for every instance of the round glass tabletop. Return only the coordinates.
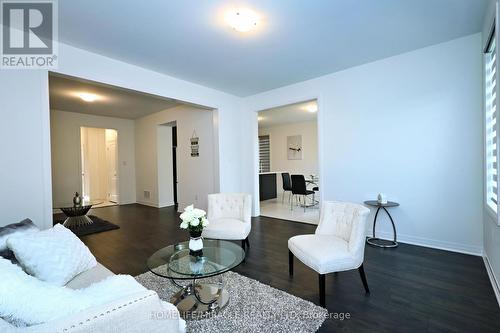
(175, 262)
(83, 204)
(375, 203)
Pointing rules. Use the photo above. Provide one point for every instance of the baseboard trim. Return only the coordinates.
(167, 204)
(493, 278)
(150, 204)
(432, 243)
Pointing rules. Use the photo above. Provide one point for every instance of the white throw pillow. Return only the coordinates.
(25, 300)
(54, 255)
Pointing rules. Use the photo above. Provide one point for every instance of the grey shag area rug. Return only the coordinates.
(253, 307)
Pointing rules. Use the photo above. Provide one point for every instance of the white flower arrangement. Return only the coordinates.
(193, 219)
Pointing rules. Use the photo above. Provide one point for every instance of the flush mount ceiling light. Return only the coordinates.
(242, 20)
(88, 97)
(312, 107)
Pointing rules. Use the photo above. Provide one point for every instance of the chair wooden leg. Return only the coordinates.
(243, 245)
(247, 242)
(290, 262)
(363, 278)
(322, 290)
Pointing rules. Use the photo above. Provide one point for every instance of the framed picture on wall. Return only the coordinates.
(195, 147)
(294, 147)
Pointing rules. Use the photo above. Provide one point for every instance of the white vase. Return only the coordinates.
(195, 244)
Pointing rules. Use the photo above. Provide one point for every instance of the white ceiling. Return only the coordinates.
(296, 40)
(288, 114)
(113, 102)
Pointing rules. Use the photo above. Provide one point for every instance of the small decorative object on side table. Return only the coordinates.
(381, 198)
(194, 220)
(377, 241)
(77, 199)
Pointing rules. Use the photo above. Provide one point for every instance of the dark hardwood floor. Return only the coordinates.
(413, 289)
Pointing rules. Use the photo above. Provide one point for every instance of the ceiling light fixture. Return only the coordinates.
(260, 118)
(312, 108)
(242, 20)
(87, 97)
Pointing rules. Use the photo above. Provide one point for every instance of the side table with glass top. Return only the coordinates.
(197, 298)
(375, 241)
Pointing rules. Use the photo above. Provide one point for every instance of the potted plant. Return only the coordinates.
(194, 220)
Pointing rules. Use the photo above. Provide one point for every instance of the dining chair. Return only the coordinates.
(337, 245)
(299, 188)
(287, 185)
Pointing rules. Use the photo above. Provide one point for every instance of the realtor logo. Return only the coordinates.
(29, 31)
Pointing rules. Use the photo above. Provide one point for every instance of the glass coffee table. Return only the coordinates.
(197, 297)
(76, 215)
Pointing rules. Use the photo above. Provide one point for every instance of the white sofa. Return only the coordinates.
(140, 312)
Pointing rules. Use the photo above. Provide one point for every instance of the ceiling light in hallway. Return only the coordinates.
(88, 97)
(313, 107)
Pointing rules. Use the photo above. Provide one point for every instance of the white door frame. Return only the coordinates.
(80, 162)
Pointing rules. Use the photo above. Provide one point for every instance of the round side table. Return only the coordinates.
(375, 241)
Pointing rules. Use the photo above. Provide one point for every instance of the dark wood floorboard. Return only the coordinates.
(413, 288)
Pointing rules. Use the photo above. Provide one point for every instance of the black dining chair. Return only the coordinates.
(299, 188)
(287, 185)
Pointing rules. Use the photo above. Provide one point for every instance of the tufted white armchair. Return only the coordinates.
(229, 216)
(337, 245)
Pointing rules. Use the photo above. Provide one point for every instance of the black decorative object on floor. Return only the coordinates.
(99, 225)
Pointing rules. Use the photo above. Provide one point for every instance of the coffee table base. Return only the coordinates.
(77, 221)
(200, 300)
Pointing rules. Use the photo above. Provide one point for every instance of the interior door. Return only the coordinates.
(112, 158)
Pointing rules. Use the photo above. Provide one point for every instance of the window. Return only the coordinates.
(264, 154)
(491, 140)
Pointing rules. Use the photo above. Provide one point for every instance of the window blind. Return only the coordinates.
(264, 154)
(491, 125)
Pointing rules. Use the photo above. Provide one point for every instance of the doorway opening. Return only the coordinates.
(99, 170)
(154, 136)
(289, 163)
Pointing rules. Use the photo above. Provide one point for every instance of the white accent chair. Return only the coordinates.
(337, 245)
(229, 216)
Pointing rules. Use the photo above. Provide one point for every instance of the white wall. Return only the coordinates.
(25, 109)
(491, 228)
(25, 185)
(278, 134)
(65, 138)
(408, 126)
(195, 175)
